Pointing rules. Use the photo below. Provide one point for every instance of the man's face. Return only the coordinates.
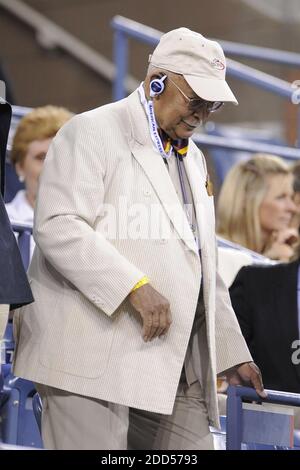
(173, 112)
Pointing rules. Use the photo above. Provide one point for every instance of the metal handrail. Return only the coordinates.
(148, 34)
(257, 257)
(19, 111)
(235, 395)
(125, 27)
(50, 36)
(251, 146)
(274, 396)
(267, 54)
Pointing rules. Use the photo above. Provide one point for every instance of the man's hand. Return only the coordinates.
(246, 374)
(154, 310)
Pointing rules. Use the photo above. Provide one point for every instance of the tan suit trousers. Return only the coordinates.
(73, 422)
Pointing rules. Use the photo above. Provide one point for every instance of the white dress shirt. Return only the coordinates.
(20, 211)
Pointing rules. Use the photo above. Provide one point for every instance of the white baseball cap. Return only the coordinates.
(201, 62)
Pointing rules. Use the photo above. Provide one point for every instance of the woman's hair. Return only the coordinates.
(41, 123)
(241, 195)
(295, 169)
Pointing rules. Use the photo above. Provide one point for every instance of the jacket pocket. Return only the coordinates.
(78, 337)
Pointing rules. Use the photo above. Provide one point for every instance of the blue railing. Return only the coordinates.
(234, 425)
(251, 146)
(125, 28)
(265, 54)
(20, 111)
(151, 36)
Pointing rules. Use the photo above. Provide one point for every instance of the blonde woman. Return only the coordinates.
(295, 168)
(256, 206)
(30, 145)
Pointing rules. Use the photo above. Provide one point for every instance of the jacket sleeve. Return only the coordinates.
(231, 347)
(70, 203)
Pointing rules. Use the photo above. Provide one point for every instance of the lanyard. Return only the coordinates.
(148, 106)
(149, 109)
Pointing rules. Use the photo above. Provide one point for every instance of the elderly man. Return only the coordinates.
(125, 233)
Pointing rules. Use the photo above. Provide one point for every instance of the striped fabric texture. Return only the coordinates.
(81, 334)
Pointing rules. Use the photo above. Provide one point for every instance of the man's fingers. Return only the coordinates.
(159, 323)
(259, 388)
(169, 318)
(155, 325)
(252, 374)
(256, 380)
(151, 326)
(165, 322)
(147, 324)
(154, 310)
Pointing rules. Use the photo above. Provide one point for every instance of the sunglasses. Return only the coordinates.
(198, 104)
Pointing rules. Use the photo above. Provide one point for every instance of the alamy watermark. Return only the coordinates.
(296, 353)
(139, 221)
(2, 90)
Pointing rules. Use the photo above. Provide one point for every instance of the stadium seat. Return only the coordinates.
(19, 426)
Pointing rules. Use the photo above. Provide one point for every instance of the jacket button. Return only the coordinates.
(147, 192)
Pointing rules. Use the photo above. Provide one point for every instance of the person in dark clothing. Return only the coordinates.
(266, 302)
(14, 287)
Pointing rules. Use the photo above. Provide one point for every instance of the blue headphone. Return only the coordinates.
(157, 86)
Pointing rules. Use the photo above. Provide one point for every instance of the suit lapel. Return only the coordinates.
(152, 163)
(197, 183)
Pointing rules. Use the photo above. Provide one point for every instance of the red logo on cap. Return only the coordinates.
(217, 64)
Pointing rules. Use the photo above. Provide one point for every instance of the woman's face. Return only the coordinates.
(296, 218)
(32, 164)
(277, 207)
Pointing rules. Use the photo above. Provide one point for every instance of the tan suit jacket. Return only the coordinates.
(81, 334)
